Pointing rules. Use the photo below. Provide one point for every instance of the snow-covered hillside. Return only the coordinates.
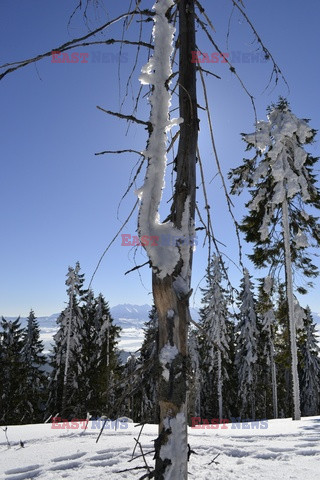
(285, 450)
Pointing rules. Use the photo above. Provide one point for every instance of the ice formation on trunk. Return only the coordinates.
(164, 258)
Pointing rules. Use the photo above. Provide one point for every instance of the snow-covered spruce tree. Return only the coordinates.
(149, 371)
(131, 392)
(214, 342)
(108, 363)
(268, 370)
(12, 394)
(73, 326)
(309, 367)
(140, 376)
(139, 380)
(246, 356)
(171, 265)
(83, 362)
(35, 380)
(282, 188)
(95, 359)
(70, 323)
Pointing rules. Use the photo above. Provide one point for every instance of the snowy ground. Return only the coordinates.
(286, 450)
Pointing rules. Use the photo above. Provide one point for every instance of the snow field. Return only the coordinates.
(286, 450)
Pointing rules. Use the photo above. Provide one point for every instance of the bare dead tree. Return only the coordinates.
(171, 291)
(171, 274)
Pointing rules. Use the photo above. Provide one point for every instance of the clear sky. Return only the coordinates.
(58, 201)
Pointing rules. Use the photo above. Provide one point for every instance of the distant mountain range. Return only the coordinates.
(131, 318)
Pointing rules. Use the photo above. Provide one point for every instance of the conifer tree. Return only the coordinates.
(74, 324)
(149, 369)
(35, 380)
(139, 376)
(215, 340)
(310, 368)
(282, 186)
(95, 361)
(12, 395)
(70, 322)
(246, 356)
(108, 363)
(268, 373)
(85, 397)
(131, 391)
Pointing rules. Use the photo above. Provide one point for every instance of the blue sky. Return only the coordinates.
(59, 201)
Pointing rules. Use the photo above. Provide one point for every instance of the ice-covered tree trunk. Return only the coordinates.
(290, 300)
(171, 264)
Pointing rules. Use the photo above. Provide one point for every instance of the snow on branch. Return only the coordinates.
(157, 72)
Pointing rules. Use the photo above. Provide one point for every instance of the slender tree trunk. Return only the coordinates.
(274, 382)
(292, 326)
(220, 384)
(171, 301)
(66, 366)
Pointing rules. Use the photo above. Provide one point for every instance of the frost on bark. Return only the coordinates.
(171, 265)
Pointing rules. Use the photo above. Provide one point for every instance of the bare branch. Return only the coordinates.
(130, 118)
(229, 202)
(276, 70)
(110, 41)
(112, 241)
(202, 10)
(138, 266)
(176, 135)
(208, 72)
(128, 150)
(142, 427)
(214, 460)
(66, 46)
(130, 469)
(232, 69)
(133, 68)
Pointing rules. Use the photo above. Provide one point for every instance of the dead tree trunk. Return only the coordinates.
(171, 294)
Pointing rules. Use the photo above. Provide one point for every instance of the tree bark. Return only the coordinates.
(172, 304)
(274, 382)
(292, 327)
(66, 366)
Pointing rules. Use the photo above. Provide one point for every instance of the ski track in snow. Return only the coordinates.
(287, 449)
